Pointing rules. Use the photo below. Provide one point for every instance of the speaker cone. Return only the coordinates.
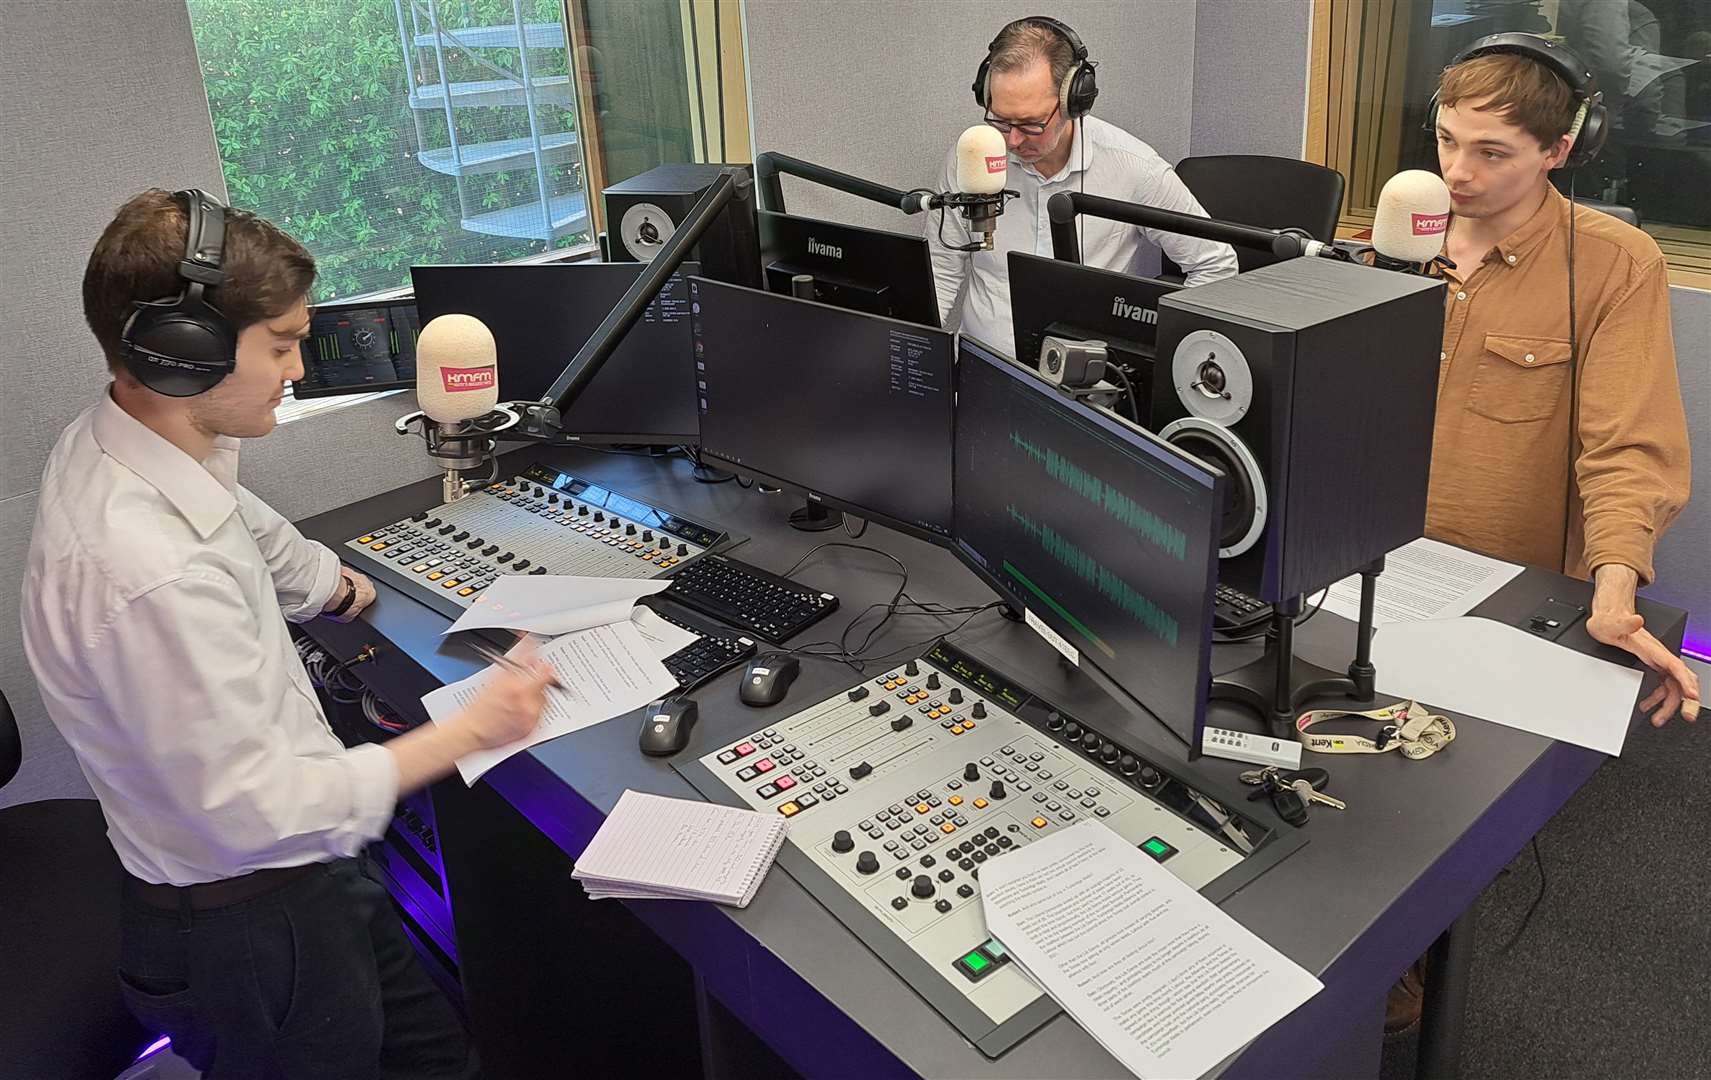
(1244, 488)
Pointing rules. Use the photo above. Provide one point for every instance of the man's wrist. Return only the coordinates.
(344, 599)
(1614, 586)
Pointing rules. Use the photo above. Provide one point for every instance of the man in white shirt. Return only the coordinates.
(1036, 86)
(154, 616)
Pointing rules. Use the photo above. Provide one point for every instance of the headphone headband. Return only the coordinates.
(1586, 133)
(1079, 87)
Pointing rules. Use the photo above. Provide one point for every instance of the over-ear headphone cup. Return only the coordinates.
(1591, 138)
(174, 353)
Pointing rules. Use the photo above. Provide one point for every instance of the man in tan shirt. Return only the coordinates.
(1518, 405)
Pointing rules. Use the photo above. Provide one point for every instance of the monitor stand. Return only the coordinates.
(812, 517)
(1279, 683)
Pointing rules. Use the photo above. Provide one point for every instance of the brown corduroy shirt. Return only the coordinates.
(1501, 449)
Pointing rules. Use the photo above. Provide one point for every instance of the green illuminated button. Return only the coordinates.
(975, 965)
(1157, 848)
(994, 949)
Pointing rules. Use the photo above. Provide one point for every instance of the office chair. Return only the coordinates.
(59, 936)
(1270, 192)
(1616, 210)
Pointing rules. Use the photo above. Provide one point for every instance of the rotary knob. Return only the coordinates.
(1072, 731)
(1109, 753)
(1054, 721)
(1091, 742)
(971, 771)
(998, 791)
(867, 863)
(955, 697)
(979, 710)
(842, 842)
(933, 681)
(923, 889)
(911, 669)
(1128, 764)
(1150, 776)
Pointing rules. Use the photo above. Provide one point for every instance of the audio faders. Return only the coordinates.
(541, 522)
(898, 790)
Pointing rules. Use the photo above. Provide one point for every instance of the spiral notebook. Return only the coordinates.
(655, 848)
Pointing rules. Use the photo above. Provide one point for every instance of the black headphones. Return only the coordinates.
(182, 345)
(1079, 88)
(1590, 127)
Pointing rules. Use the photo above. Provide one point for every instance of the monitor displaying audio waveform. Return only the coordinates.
(355, 348)
(1105, 535)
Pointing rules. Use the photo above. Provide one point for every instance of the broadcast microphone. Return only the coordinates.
(1409, 224)
(981, 167)
(457, 385)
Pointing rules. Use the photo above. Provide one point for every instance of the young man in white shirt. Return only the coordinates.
(154, 616)
(1036, 86)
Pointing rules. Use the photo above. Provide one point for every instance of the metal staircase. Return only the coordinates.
(432, 49)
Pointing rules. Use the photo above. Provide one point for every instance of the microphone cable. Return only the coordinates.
(1573, 383)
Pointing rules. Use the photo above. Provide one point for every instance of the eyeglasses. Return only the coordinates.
(1004, 127)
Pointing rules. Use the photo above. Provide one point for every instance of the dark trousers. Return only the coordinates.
(315, 979)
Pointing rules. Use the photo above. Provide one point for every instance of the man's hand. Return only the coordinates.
(1614, 622)
(363, 595)
(510, 705)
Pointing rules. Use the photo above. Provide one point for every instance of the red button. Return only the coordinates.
(745, 749)
(786, 782)
(764, 765)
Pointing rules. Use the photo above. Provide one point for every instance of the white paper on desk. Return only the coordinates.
(663, 638)
(1503, 674)
(554, 604)
(1424, 579)
(606, 671)
(1162, 978)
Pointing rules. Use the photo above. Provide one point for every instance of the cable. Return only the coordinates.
(1539, 862)
(1128, 391)
(376, 714)
(855, 535)
(1573, 377)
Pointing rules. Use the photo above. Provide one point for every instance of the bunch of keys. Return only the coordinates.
(1292, 791)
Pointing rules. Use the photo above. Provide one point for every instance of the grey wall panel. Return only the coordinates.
(1250, 76)
(881, 88)
(326, 461)
(1683, 558)
(98, 100)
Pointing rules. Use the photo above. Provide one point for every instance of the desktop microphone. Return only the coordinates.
(457, 385)
(1409, 224)
(981, 168)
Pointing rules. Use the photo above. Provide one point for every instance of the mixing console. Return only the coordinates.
(898, 790)
(540, 522)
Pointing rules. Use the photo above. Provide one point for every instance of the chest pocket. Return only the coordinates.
(1520, 379)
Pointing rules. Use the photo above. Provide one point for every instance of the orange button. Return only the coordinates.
(364, 539)
(436, 575)
(980, 804)
(450, 583)
(968, 725)
(891, 686)
(1040, 823)
(947, 827)
(466, 591)
(922, 808)
(418, 568)
(378, 545)
(956, 729)
(955, 800)
(789, 809)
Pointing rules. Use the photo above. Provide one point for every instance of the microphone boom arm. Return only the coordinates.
(769, 193)
(1064, 207)
(544, 417)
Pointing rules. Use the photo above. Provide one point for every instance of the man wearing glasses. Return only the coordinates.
(1036, 86)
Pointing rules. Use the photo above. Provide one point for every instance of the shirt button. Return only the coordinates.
(1511, 260)
(1529, 358)
(1461, 296)
(1443, 356)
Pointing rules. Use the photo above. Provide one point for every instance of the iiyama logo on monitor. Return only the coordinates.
(1121, 308)
(827, 250)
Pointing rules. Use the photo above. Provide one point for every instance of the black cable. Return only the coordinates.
(858, 534)
(1128, 391)
(1539, 862)
(1573, 378)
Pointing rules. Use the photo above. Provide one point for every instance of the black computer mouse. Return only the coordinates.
(768, 678)
(666, 726)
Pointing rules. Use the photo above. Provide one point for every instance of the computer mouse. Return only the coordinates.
(768, 678)
(666, 725)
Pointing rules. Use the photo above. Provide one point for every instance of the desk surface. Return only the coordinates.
(1369, 892)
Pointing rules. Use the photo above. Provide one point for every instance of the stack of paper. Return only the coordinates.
(655, 848)
(1154, 971)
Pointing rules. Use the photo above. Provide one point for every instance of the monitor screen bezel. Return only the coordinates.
(599, 438)
(827, 499)
(1189, 466)
(334, 307)
(769, 222)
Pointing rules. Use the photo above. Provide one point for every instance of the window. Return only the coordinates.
(1375, 66)
(387, 133)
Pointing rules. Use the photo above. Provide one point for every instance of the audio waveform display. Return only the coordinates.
(1113, 502)
(1110, 586)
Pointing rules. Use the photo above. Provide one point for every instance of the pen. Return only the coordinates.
(492, 655)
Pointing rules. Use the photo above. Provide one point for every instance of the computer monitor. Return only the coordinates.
(853, 410)
(1093, 527)
(356, 348)
(881, 273)
(541, 315)
(1065, 299)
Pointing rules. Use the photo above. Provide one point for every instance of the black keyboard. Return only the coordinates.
(756, 602)
(1235, 612)
(713, 652)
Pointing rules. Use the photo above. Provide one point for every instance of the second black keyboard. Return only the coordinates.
(753, 600)
(1235, 612)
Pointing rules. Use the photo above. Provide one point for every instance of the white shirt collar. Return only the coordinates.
(203, 493)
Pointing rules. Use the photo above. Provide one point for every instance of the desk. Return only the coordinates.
(1373, 888)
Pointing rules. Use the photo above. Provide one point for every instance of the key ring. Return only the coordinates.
(1408, 727)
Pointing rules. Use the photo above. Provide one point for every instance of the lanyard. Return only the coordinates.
(1407, 726)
